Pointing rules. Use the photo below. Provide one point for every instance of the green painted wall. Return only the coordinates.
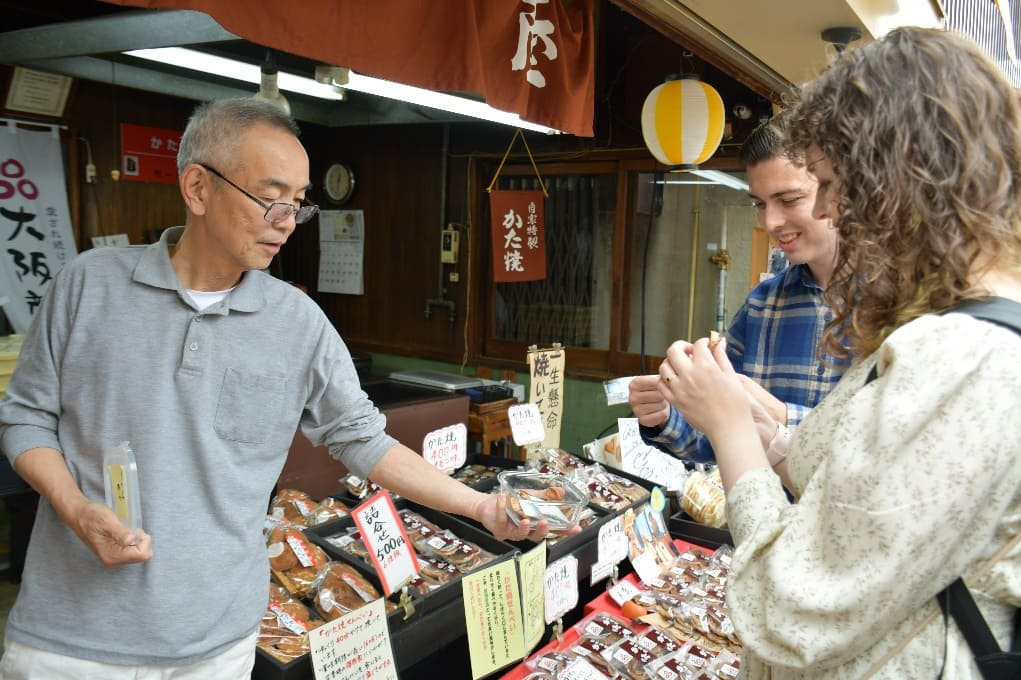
(586, 414)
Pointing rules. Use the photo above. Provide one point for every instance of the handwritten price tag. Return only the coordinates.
(612, 546)
(561, 587)
(650, 463)
(388, 545)
(355, 646)
(447, 447)
(623, 591)
(526, 424)
(628, 434)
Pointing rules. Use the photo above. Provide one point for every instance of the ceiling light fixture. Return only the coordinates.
(717, 177)
(269, 90)
(230, 68)
(720, 177)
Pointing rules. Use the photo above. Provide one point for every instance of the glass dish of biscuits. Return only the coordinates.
(542, 496)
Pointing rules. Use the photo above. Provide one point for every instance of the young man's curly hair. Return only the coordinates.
(924, 135)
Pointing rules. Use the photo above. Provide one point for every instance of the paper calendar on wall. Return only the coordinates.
(341, 251)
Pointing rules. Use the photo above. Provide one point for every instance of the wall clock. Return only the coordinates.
(339, 182)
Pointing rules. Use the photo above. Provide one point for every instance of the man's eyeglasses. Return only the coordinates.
(275, 212)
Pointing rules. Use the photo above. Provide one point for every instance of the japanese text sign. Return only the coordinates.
(533, 57)
(561, 587)
(355, 646)
(384, 537)
(492, 612)
(623, 591)
(629, 436)
(519, 235)
(446, 448)
(648, 462)
(149, 154)
(612, 545)
(35, 225)
(546, 390)
(525, 424)
(531, 567)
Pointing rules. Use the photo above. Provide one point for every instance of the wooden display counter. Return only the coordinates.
(489, 423)
(411, 413)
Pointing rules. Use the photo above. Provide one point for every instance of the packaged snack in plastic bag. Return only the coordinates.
(283, 632)
(592, 649)
(338, 589)
(604, 626)
(726, 665)
(292, 505)
(328, 510)
(704, 498)
(630, 656)
(552, 663)
(293, 559)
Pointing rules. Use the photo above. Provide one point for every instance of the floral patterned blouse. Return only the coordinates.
(902, 485)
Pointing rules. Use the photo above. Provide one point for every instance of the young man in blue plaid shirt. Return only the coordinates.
(773, 340)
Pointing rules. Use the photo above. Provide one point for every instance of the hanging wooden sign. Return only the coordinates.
(518, 234)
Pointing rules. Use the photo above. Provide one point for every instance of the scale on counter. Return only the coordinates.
(438, 379)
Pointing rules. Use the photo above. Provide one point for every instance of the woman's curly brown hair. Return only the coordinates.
(924, 135)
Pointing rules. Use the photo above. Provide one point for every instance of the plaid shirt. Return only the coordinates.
(773, 339)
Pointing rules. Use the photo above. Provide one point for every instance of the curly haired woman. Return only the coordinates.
(908, 475)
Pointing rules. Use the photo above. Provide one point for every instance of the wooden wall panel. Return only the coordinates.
(398, 170)
(110, 206)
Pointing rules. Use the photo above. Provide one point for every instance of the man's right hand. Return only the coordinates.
(94, 523)
(647, 403)
(113, 543)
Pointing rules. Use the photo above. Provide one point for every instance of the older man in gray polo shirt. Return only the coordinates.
(206, 365)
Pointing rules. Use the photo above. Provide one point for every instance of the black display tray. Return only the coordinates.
(268, 667)
(683, 526)
(450, 591)
(495, 461)
(583, 545)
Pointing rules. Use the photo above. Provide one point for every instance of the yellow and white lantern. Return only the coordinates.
(682, 122)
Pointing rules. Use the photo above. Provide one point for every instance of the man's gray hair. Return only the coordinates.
(216, 128)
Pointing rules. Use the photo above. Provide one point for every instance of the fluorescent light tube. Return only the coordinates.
(708, 177)
(250, 73)
(439, 100)
(229, 68)
(723, 178)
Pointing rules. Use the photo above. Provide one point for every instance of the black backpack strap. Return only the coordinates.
(997, 310)
(956, 601)
(973, 626)
(1015, 645)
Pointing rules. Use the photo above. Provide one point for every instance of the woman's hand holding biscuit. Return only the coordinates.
(703, 386)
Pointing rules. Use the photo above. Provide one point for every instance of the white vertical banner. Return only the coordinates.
(35, 223)
(546, 368)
